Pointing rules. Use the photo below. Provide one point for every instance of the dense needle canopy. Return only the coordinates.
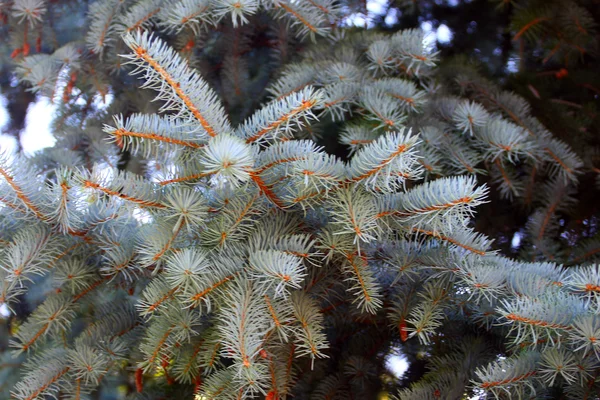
(317, 199)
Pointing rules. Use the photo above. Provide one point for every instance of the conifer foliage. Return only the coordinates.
(242, 260)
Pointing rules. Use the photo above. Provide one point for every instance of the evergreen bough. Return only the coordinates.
(247, 261)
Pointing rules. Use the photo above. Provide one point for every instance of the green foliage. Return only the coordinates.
(244, 260)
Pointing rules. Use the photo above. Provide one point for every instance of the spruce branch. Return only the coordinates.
(357, 136)
(405, 92)
(506, 140)
(132, 189)
(294, 77)
(546, 317)
(102, 27)
(46, 378)
(228, 159)
(183, 270)
(24, 188)
(167, 73)
(363, 284)
(339, 98)
(585, 334)
(438, 203)
(279, 118)
(307, 19)
(73, 276)
(244, 324)
(356, 214)
(277, 272)
(236, 219)
(139, 16)
(212, 286)
(586, 282)
(239, 254)
(144, 134)
(310, 340)
(180, 14)
(555, 363)
(52, 317)
(87, 364)
(238, 9)
(29, 10)
(386, 163)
